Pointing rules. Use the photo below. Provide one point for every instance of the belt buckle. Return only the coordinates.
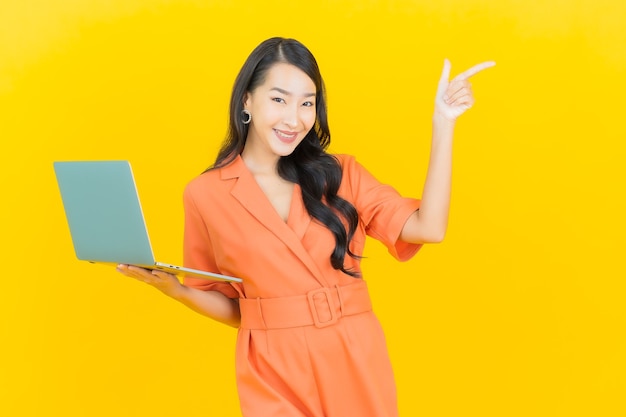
(329, 304)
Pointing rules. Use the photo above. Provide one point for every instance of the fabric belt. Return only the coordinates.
(320, 307)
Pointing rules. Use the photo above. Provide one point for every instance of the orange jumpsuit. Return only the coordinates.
(309, 343)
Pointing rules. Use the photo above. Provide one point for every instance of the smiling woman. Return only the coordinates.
(284, 112)
(291, 219)
(519, 313)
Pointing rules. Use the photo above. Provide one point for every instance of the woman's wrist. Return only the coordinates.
(442, 122)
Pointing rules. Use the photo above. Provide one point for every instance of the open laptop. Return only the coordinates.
(105, 218)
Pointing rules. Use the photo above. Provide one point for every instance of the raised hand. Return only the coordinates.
(454, 97)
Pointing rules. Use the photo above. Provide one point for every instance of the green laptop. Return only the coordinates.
(105, 219)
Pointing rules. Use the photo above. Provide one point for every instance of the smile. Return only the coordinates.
(286, 137)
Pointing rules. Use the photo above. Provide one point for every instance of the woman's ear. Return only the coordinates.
(246, 100)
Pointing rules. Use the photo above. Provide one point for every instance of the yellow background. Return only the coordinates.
(520, 312)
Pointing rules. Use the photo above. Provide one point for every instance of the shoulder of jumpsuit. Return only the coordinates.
(351, 171)
(348, 163)
(343, 158)
(206, 181)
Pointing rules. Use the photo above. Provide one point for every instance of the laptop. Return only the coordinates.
(105, 218)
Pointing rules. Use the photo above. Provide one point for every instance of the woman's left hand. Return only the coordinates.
(455, 97)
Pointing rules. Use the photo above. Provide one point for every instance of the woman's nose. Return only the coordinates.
(290, 117)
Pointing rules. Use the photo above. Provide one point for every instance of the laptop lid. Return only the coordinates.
(103, 212)
(105, 218)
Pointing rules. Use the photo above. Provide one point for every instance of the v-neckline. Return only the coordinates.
(298, 218)
(249, 194)
(296, 197)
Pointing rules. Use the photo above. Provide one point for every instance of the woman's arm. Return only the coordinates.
(212, 304)
(453, 98)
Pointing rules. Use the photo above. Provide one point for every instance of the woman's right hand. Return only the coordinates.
(167, 283)
(212, 304)
(454, 97)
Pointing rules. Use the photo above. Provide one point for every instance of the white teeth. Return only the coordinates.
(285, 135)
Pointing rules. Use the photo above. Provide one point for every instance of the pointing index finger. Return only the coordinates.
(474, 70)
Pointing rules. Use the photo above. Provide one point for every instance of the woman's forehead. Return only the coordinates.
(288, 78)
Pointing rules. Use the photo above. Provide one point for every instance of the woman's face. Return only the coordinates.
(283, 112)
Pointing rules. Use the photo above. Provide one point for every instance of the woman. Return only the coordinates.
(289, 219)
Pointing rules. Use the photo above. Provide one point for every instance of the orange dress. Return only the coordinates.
(309, 343)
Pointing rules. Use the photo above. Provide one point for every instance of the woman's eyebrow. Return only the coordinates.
(287, 93)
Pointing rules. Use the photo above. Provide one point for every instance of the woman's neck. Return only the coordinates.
(260, 162)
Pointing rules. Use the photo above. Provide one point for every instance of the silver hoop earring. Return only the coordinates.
(246, 116)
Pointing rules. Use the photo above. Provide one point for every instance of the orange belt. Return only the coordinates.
(320, 307)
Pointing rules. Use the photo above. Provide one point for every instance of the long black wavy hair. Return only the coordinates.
(317, 172)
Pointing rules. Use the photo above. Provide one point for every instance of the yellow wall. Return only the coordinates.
(519, 312)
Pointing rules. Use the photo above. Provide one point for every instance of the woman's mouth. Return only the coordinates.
(286, 137)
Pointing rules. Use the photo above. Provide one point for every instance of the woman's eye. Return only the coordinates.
(278, 100)
(308, 104)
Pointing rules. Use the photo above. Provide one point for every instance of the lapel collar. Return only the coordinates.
(251, 197)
